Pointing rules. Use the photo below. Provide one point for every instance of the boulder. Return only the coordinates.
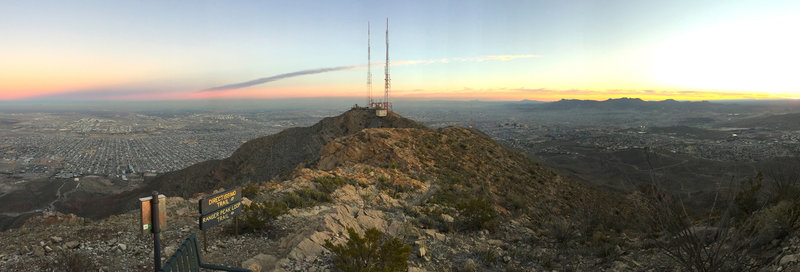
(261, 262)
(338, 221)
(372, 219)
(169, 250)
(246, 202)
(447, 218)
(305, 249)
(71, 244)
(38, 251)
(788, 259)
(348, 194)
(434, 234)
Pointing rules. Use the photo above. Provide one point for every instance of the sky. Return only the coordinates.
(461, 50)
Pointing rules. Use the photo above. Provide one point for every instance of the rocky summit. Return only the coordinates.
(459, 200)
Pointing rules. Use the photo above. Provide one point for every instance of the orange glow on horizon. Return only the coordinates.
(555, 95)
(485, 94)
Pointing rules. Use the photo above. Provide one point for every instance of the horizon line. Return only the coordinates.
(396, 99)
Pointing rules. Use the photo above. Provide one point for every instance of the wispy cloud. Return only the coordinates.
(339, 68)
(277, 77)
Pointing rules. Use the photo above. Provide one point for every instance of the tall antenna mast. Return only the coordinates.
(369, 69)
(386, 70)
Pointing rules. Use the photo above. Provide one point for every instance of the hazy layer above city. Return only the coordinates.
(617, 144)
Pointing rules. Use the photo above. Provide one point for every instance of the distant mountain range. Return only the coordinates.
(628, 104)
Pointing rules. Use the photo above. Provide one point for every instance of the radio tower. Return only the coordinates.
(386, 105)
(369, 70)
(382, 108)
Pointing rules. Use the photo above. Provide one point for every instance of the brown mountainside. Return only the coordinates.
(260, 159)
(462, 163)
(267, 157)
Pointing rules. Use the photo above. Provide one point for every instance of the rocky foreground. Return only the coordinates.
(58, 242)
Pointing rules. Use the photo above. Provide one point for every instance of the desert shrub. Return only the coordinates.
(475, 214)
(432, 218)
(292, 200)
(783, 179)
(746, 199)
(383, 179)
(259, 216)
(603, 246)
(304, 198)
(714, 243)
(330, 184)
(392, 188)
(250, 190)
(449, 195)
(373, 252)
(559, 229)
(488, 256)
(312, 197)
(775, 222)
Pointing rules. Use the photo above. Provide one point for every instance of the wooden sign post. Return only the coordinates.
(154, 217)
(218, 208)
(146, 212)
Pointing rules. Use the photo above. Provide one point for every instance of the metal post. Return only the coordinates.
(156, 230)
(205, 242)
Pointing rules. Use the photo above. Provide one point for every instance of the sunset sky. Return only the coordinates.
(487, 50)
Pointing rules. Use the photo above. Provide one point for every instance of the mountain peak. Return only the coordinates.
(261, 159)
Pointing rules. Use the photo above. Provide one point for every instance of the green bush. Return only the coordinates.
(304, 198)
(476, 214)
(250, 190)
(383, 179)
(292, 200)
(373, 252)
(259, 216)
(776, 222)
